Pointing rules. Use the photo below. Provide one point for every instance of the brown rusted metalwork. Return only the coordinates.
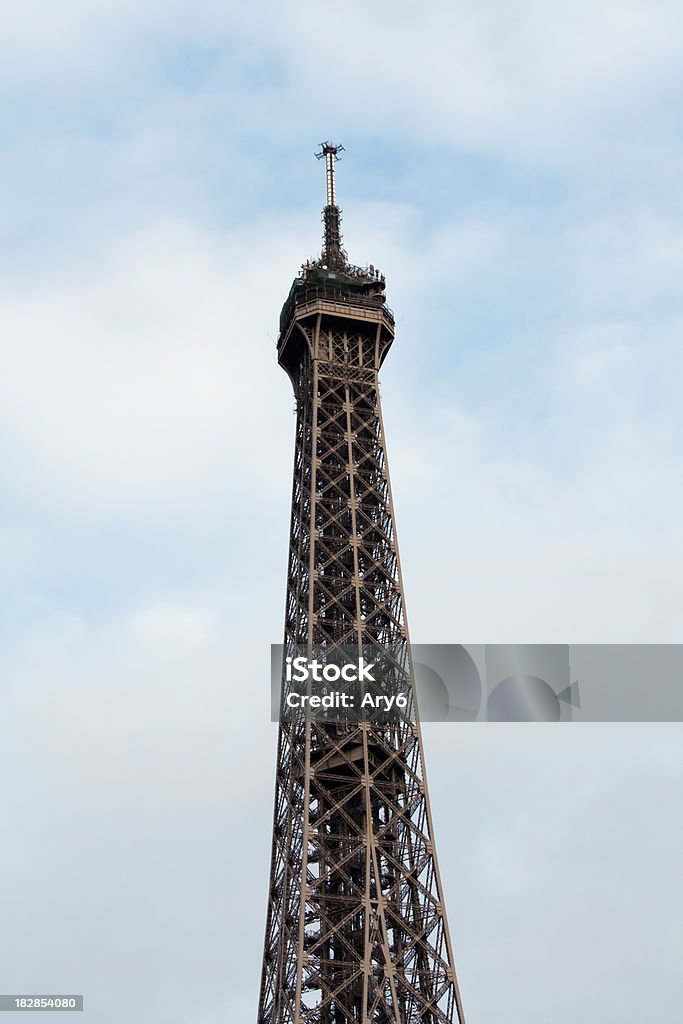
(356, 924)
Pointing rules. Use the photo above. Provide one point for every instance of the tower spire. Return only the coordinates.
(333, 256)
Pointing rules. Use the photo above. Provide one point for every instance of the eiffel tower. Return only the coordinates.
(356, 924)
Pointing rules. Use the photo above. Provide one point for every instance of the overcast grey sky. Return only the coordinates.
(516, 172)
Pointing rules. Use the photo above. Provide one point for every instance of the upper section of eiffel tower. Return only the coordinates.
(356, 927)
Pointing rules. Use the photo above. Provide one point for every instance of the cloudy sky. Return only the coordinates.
(516, 171)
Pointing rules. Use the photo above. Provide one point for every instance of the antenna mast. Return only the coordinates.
(333, 256)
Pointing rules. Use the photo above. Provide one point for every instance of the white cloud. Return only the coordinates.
(131, 390)
(125, 752)
(537, 82)
(557, 522)
(632, 261)
(139, 379)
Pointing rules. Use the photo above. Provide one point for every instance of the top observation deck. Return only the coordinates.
(331, 286)
(349, 292)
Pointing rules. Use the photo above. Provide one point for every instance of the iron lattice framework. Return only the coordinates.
(356, 926)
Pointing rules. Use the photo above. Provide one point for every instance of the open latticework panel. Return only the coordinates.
(356, 928)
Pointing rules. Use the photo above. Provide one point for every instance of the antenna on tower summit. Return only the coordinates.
(331, 154)
(333, 255)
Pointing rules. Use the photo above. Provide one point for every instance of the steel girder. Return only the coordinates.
(356, 925)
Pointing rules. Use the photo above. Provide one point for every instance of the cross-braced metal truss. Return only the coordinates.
(356, 926)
